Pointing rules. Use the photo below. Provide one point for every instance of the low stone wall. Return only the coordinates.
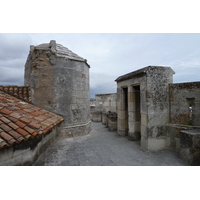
(190, 146)
(186, 141)
(182, 96)
(92, 108)
(173, 132)
(25, 153)
(75, 130)
(96, 116)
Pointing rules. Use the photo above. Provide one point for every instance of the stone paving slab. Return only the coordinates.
(104, 148)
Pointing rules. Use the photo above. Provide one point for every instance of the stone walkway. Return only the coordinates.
(103, 148)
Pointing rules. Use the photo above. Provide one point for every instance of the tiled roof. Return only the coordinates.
(21, 92)
(20, 121)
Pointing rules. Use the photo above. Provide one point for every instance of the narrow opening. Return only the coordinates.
(110, 106)
(125, 102)
(137, 113)
(191, 105)
(137, 103)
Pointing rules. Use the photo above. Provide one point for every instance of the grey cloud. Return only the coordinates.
(14, 49)
(102, 83)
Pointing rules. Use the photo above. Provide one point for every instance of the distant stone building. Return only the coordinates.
(59, 82)
(104, 103)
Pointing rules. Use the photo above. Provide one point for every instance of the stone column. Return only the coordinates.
(157, 108)
(122, 120)
(134, 117)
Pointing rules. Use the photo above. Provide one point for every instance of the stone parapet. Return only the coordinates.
(74, 131)
(190, 146)
(27, 152)
(96, 116)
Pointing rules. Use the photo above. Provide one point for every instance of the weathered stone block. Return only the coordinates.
(144, 118)
(5, 154)
(112, 121)
(134, 136)
(155, 144)
(190, 138)
(144, 132)
(135, 127)
(190, 146)
(104, 119)
(96, 116)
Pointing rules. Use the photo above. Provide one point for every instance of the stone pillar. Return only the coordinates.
(112, 121)
(134, 116)
(122, 111)
(157, 108)
(104, 119)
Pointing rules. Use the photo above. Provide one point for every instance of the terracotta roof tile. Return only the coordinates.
(16, 135)
(35, 114)
(34, 134)
(20, 120)
(22, 132)
(25, 120)
(13, 119)
(5, 127)
(5, 120)
(13, 126)
(34, 125)
(20, 124)
(5, 111)
(21, 92)
(47, 129)
(3, 143)
(29, 130)
(10, 140)
(15, 115)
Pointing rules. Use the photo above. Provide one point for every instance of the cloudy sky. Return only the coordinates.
(109, 54)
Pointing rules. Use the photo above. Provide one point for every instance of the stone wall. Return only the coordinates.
(182, 96)
(104, 103)
(183, 130)
(190, 146)
(25, 153)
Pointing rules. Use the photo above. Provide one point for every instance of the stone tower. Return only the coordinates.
(59, 82)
